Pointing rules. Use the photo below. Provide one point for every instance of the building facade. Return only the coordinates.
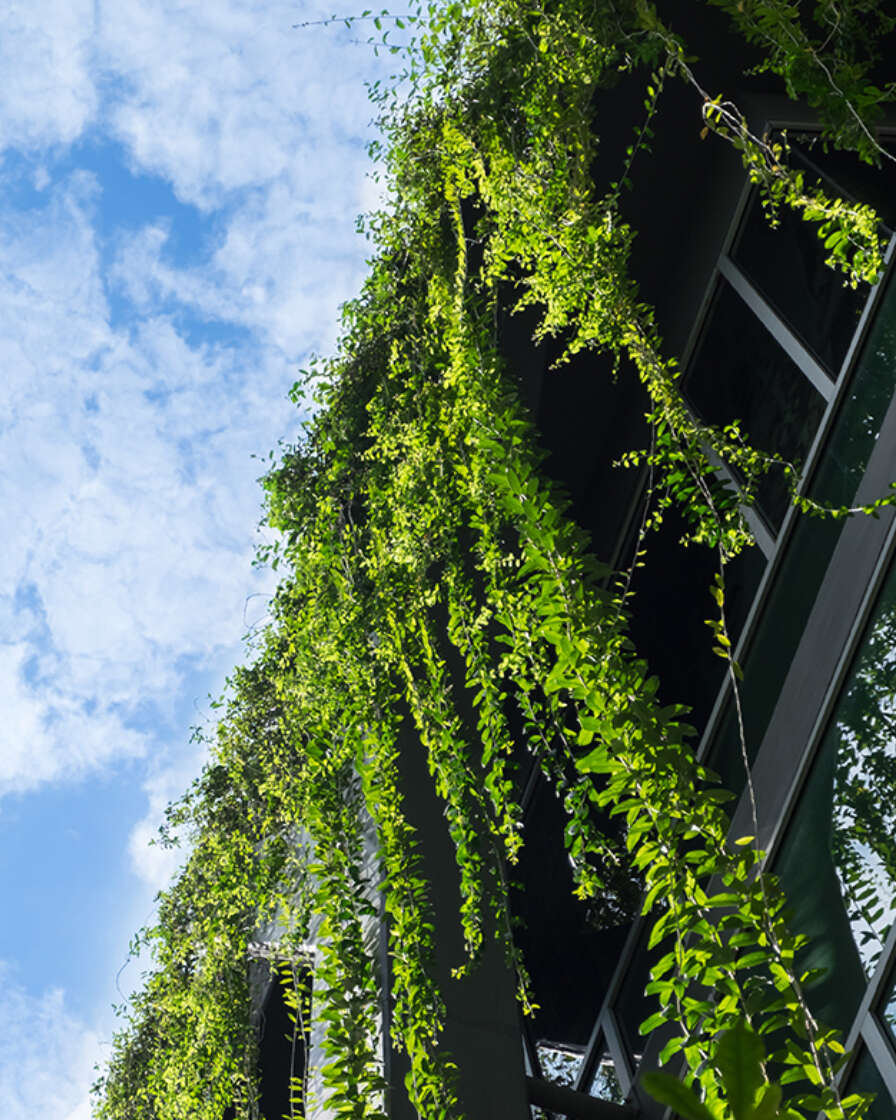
(765, 334)
(769, 335)
(809, 367)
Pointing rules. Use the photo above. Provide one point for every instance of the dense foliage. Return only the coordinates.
(432, 579)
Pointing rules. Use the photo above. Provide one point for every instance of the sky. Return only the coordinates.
(179, 183)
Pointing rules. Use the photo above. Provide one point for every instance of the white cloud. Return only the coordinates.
(47, 1054)
(48, 93)
(129, 517)
(129, 499)
(47, 733)
(228, 96)
(81, 1111)
(279, 276)
(153, 864)
(130, 520)
(240, 111)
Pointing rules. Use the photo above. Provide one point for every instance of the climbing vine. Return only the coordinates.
(435, 590)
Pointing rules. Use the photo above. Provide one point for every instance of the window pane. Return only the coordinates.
(632, 1005)
(605, 1083)
(861, 410)
(669, 610)
(741, 373)
(560, 1063)
(854, 178)
(570, 947)
(838, 861)
(888, 1009)
(586, 420)
(811, 545)
(866, 1078)
(284, 1039)
(787, 266)
(774, 644)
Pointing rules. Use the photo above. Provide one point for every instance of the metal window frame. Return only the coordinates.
(606, 1034)
(777, 327)
(877, 545)
(606, 1029)
(776, 553)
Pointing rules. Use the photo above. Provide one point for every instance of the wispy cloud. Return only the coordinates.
(133, 507)
(153, 863)
(49, 92)
(276, 274)
(226, 97)
(33, 1027)
(267, 123)
(142, 368)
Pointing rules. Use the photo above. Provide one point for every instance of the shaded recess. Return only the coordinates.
(282, 1053)
(570, 959)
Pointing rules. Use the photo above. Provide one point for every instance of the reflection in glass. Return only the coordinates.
(866, 1078)
(605, 1082)
(741, 373)
(838, 860)
(864, 833)
(853, 437)
(560, 1062)
(888, 1009)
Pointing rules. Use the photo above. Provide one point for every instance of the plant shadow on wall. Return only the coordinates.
(433, 578)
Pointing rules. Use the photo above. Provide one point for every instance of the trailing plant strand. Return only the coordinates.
(437, 591)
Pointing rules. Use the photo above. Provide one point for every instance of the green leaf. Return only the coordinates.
(652, 1022)
(672, 1047)
(668, 1090)
(766, 1107)
(739, 1057)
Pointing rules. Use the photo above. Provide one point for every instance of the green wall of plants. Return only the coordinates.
(419, 531)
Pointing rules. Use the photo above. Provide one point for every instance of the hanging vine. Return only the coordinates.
(435, 581)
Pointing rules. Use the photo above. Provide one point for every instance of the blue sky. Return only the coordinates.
(178, 189)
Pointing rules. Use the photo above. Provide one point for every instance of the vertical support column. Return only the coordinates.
(482, 1032)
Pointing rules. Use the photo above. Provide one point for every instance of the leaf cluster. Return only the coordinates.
(437, 597)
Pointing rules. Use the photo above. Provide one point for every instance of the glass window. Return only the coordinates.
(741, 373)
(670, 606)
(853, 177)
(774, 644)
(887, 1012)
(560, 1063)
(633, 1006)
(587, 419)
(811, 545)
(866, 1078)
(283, 1041)
(838, 861)
(605, 1084)
(787, 265)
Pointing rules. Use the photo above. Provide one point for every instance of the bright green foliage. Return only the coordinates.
(741, 1060)
(436, 593)
(828, 61)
